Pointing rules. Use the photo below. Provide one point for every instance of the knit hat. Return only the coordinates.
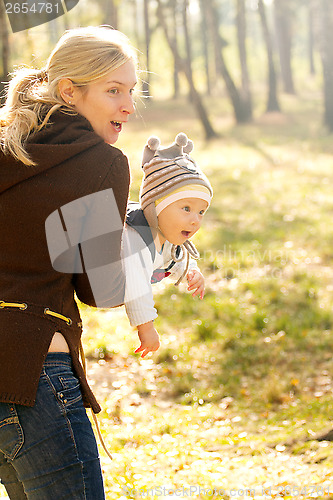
(170, 174)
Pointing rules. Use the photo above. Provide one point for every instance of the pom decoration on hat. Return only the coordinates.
(166, 170)
(152, 149)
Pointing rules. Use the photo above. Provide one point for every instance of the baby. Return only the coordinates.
(174, 197)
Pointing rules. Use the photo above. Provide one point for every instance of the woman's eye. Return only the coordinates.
(113, 91)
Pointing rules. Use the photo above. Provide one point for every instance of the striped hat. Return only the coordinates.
(170, 174)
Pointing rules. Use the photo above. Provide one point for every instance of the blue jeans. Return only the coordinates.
(49, 451)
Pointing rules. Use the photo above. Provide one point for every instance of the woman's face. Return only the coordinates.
(108, 102)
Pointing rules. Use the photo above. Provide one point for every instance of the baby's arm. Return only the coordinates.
(196, 282)
(149, 338)
(139, 301)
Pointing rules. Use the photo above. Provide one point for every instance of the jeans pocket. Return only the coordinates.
(70, 392)
(64, 384)
(11, 432)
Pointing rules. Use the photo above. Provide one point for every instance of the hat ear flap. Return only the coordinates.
(150, 149)
(151, 215)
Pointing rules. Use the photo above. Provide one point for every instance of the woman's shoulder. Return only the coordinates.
(64, 127)
(70, 138)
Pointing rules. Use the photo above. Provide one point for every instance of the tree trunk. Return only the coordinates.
(181, 63)
(5, 45)
(188, 47)
(311, 37)
(135, 18)
(110, 9)
(54, 31)
(146, 83)
(240, 105)
(326, 49)
(272, 101)
(205, 44)
(176, 68)
(241, 39)
(5, 50)
(282, 16)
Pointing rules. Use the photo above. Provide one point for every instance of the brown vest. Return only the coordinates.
(72, 163)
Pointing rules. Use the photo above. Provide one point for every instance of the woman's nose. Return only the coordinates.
(128, 105)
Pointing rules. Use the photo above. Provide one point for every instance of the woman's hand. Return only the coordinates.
(150, 340)
(196, 282)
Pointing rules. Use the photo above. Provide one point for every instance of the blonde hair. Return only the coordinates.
(82, 55)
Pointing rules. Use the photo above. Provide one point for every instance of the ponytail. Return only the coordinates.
(28, 108)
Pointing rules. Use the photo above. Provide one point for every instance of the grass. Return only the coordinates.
(242, 383)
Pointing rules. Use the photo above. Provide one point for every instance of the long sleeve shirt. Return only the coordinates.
(139, 268)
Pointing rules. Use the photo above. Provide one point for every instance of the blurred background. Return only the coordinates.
(247, 50)
(239, 396)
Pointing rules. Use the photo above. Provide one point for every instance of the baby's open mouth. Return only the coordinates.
(186, 233)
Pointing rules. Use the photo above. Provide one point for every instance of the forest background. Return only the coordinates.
(237, 403)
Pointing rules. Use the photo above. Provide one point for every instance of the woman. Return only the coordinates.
(56, 128)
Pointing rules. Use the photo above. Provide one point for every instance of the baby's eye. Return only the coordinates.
(202, 212)
(187, 209)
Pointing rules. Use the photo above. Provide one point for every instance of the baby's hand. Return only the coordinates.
(149, 337)
(196, 282)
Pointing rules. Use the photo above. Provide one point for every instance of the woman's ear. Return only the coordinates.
(66, 90)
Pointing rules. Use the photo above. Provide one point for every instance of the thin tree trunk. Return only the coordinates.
(110, 10)
(135, 27)
(176, 69)
(4, 42)
(146, 83)
(326, 49)
(188, 47)
(241, 38)
(205, 44)
(311, 37)
(196, 98)
(240, 106)
(284, 38)
(54, 31)
(272, 101)
(5, 56)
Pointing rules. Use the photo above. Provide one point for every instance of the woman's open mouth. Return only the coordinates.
(186, 234)
(117, 126)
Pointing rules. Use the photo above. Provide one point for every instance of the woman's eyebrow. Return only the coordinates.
(120, 83)
(115, 81)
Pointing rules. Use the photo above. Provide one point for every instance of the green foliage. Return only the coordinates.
(245, 373)
(243, 378)
(256, 352)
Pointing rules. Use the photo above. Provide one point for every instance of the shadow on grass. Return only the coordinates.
(251, 339)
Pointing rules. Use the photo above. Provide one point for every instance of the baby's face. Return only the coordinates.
(180, 220)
